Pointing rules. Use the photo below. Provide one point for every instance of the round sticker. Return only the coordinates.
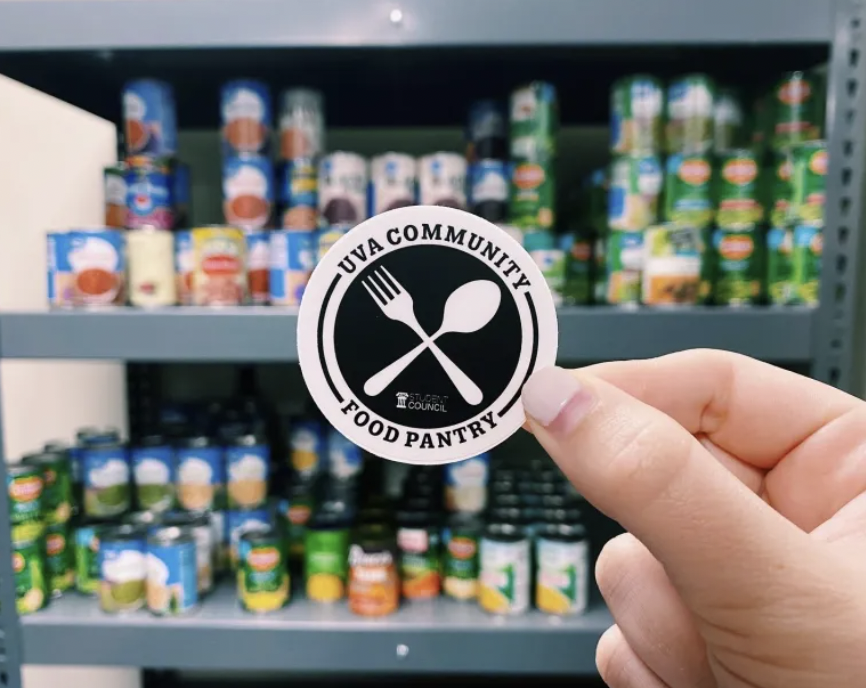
(418, 330)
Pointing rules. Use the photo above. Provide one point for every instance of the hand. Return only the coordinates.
(742, 488)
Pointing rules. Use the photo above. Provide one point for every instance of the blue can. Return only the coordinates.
(345, 458)
(122, 568)
(248, 462)
(96, 258)
(61, 282)
(466, 484)
(307, 447)
(248, 191)
(153, 470)
(258, 266)
(183, 265)
(200, 474)
(149, 197)
(105, 468)
(247, 118)
(488, 182)
(172, 571)
(328, 237)
(292, 260)
(298, 194)
(150, 119)
(238, 523)
(487, 130)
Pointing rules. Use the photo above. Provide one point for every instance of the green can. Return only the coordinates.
(808, 251)
(577, 248)
(59, 558)
(688, 190)
(326, 559)
(460, 550)
(419, 563)
(86, 555)
(295, 511)
(534, 122)
(809, 183)
(31, 584)
(263, 576)
(762, 122)
(533, 195)
(624, 265)
(738, 190)
(599, 273)
(690, 114)
(796, 110)
(636, 108)
(633, 194)
(780, 266)
(782, 191)
(728, 121)
(24, 486)
(739, 267)
(57, 484)
(550, 259)
(708, 266)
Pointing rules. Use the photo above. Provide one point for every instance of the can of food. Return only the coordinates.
(295, 511)
(150, 121)
(245, 107)
(248, 191)
(534, 122)
(562, 575)
(219, 266)
(418, 544)
(488, 184)
(392, 182)
(672, 266)
(374, 586)
(487, 131)
(808, 250)
(442, 180)
(122, 568)
(796, 110)
(248, 460)
(59, 559)
(690, 114)
(298, 194)
(154, 473)
(623, 266)
(466, 484)
(105, 467)
(31, 579)
(184, 264)
(633, 193)
(728, 121)
(201, 475)
(114, 184)
(780, 266)
(782, 191)
(263, 576)
(532, 197)
(809, 183)
(504, 569)
(343, 183)
(56, 493)
(201, 527)
(307, 444)
(86, 555)
(739, 205)
(636, 105)
(688, 190)
(240, 522)
(345, 458)
(97, 261)
(150, 253)
(329, 236)
(258, 251)
(738, 266)
(577, 290)
(460, 550)
(326, 558)
(60, 278)
(600, 276)
(292, 259)
(172, 586)
(149, 198)
(302, 124)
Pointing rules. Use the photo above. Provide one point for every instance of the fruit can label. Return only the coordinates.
(292, 259)
(298, 194)
(258, 266)
(636, 125)
(809, 184)
(245, 107)
(738, 267)
(624, 259)
(392, 183)
(782, 190)
(690, 115)
(263, 579)
(343, 180)
(153, 469)
(31, 580)
(796, 111)
(326, 562)
(562, 578)
(534, 122)
(672, 266)
(123, 574)
(238, 523)
(739, 205)
(442, 180)
(461, 564)
(25, 492)
(219, 267)
(106, 481)
(688, 190)
(466, 484)
(419, 562)
(59, 559)
(98, 265)
(248, 191)
(504, 580)
(200, 478)
(780, 265)
(57, 491)
(533, 195)
(307, 448)
(150, 118)
(808, 251)
(87, 572)
(149, 198)
(172, 587)
(248, 469)
(633, 195)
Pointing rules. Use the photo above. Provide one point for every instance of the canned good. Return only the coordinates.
(258, 267)
(466, 484)
(114, 184)
(577, 290)
(296, 510)
(562, 577)
(688, 190)
(392, 182)
(418, 544)
(533, 195)
(172, 588)
(149, 198)
(123, 568)
(672, 266)
(328, 237)
(326, 549)
(690, 114)
(106, 479)
(307, 447)
(534, 122)
(636, 123)
(248, 461)
(782, 191)
(374, 586)
(201, 474)
(25, 486)
(184, 266)
(809, 183)
(219, 266)
(302, 124)
(739, 267)
(739, 205)
(796, 116)
(442, 180)
(345, 458)
(263, 577)
(488, 183)
(59, 559)
(728, 121)
(204, 532)
(240, 522)
(56, 494)
(298, 194)
(150, 121)
(460, 550)
(86, 555)
(487, 131)
(96, 262)
(635, 184)
(248, 191)
(152, 282)
(780, 266)
(245, 107)
(808, 250)
(343, 183)
(550, 259)
(182, 194)
(31, 580)
(623, 266)
(600, 282)
(292, 259)
(504, 561)
(153, 469)
(707, 279)
(60, 278)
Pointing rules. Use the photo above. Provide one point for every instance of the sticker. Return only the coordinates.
(418, 330)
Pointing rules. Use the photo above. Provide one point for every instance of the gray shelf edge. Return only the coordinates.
(261, 334)
(25, 25)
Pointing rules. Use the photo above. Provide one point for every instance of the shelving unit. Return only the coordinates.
(359, 51)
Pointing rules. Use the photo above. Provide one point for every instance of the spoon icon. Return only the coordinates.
(468, 309)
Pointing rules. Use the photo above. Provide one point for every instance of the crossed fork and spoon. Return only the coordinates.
(468, 309)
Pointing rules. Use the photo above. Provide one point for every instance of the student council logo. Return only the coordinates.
(418, 330)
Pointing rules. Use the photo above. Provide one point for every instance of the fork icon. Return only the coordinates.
(396, 303)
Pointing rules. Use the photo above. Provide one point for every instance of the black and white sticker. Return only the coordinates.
(417, 331)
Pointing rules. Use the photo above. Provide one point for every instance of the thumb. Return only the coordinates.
(716, 538)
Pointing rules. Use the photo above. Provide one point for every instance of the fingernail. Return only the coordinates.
(555, 398)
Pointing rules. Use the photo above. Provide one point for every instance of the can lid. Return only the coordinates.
(143, 518)
(169, 534)
(124, 532)
(259, 535)
(563, 532)
(195, 442)
(45, 457)
(507, 531)
(246, 439)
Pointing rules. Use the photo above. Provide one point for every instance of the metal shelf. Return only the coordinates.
(48, 25)
(437, 636)
(260, 334)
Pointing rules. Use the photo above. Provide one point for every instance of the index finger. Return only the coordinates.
(753, 410)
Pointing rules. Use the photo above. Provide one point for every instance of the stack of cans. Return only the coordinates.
(489, 173)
